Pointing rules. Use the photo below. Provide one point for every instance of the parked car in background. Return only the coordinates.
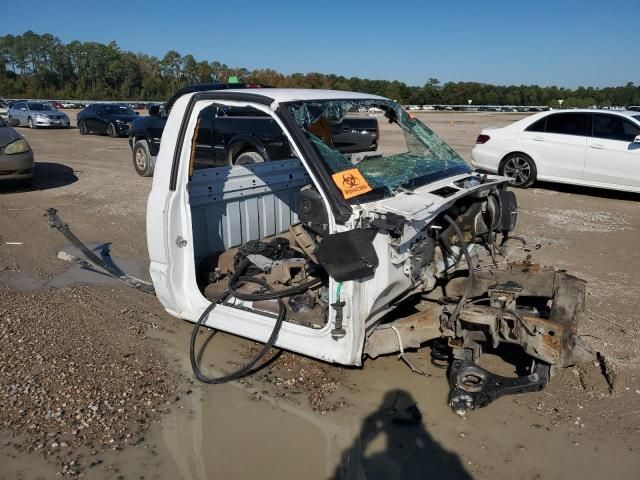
(597, 148)
(37, 114)
(55, 104)
(106, 118)
(634, 108)
(241, 136)
(4, 109)
(72, 105)
(16, 156)
(145, 133)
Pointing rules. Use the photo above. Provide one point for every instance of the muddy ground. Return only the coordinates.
(95, 378)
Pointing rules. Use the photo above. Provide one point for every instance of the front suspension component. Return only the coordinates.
(474, 387)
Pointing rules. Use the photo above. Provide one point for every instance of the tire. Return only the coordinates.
(112, 131)
(520, 168)
(247, 157)
(82, 127)
(31, 124)
(143, 162)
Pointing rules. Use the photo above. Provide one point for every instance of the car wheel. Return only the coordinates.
(31, 124)
(247, 157)
(82, 127)
(112, 131)
(520, 168)
(143, 162)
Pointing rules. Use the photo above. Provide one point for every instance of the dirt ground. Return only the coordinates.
(95, 379)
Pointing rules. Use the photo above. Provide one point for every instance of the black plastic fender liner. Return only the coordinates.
(508, 210)
(54, 221)
(349, 255)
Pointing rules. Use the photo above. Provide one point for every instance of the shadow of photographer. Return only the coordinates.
(409, 452)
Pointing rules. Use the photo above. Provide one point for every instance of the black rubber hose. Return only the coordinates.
(234, 282)
(470, 278)
(245, 369)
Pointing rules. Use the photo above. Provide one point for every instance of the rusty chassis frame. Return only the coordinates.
(536, 308)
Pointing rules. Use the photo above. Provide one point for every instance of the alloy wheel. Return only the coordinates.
(141, 159)
(518, 169)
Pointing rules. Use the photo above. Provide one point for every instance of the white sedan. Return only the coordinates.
(596, 148)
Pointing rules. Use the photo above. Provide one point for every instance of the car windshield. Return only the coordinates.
(41, 107)
(118, 110)
(375, 140)
(2, 123)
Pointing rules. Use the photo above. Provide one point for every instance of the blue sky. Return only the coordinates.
(565, 43)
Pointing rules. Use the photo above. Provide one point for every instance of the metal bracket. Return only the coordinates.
(54, 221)
(474, 387)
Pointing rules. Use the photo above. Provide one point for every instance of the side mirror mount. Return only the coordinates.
(154, 110)
(637, 139)
(14, 122)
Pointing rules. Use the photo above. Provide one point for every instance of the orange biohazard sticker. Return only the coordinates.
(351, 183)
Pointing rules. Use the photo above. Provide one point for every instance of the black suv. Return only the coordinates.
(145, 132)
(111, 119)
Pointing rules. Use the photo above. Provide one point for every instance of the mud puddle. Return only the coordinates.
(244, 430)
(75, 274)
(247, 430)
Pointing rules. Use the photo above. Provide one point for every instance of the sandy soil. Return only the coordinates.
(296, 418)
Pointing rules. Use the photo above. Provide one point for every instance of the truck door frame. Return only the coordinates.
(180, 274)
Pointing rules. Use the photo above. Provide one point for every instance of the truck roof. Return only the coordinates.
(303, 94)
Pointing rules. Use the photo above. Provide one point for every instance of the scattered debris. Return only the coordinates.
(607, 371)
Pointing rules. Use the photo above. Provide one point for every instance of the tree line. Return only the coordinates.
(41, 66)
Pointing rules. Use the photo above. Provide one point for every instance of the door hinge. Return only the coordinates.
(180, 242)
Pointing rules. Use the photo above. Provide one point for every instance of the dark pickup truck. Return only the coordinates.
(231, 136)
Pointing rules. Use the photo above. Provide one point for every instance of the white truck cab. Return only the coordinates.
(272, 185)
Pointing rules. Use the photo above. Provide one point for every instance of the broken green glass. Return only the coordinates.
(408, 154)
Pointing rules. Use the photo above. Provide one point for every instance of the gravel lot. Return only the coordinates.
(71, 354)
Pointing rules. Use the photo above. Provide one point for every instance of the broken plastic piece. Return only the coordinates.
(54, 221)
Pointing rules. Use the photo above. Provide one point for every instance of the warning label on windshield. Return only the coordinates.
(351, 183)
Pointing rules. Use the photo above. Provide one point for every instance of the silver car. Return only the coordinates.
(37, 114)
(16, 156)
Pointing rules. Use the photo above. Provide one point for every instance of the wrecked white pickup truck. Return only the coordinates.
(340, 256)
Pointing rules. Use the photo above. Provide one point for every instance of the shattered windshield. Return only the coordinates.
(374, 146)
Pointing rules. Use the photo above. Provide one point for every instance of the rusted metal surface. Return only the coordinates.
(413, 330)
(547, 336)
